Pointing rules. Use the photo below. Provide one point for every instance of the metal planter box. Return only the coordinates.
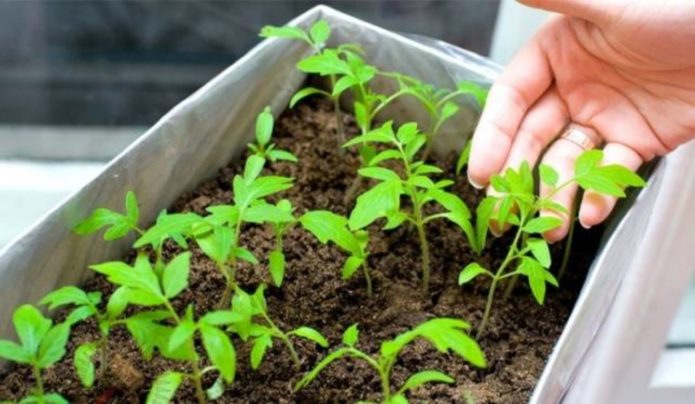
(605, 355)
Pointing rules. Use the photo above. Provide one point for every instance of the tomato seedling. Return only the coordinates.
(263, 148)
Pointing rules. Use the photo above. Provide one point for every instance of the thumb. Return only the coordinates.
(596, 11)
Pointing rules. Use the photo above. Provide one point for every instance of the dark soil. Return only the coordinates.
(519, 341)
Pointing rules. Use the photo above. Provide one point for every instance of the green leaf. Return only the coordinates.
(182, 333)
(246, 255)
(448, 110)
(265, 212)
(548, 175)
(52, 347)
(313, 374)
(499, 184)
(64, 296)
(260, 346)
(164, 388)
(131, 207)
(84, 367)
(622, 175)
(325, 63)
(478, 92)
(375, 203)
(327, 226)
(167, 226)
(220, 351)
(252, 169)
(536, 277)
(386, 155)
(464, 157)
(14, 352)
(352, 264)
(423, 169)
(351, 335)
(312, 335)
(539, 249)
(600, 183)
(289, 32)
(426, 376)
(276, 266)
(220, 317)
(175, 277)
(383, 134)
(362, 119)
(216, 390)
(378, 173)
(140, 277)
(343, 84)
(217, 245)
(587, 161)
(448, 334)
(244, 194)
(421, 181)
(394, 220)
(31, 327)
(483, 213)
(80, 314)
(397, 399)
(117, 302)
(264, 127)
(471, 271)
(542, 224)
(281, 155)
(305, 92)
(320, 32)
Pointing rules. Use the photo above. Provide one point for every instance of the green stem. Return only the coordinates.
(568, 243)
(338, 118)
(384, 373)
(424, 250)
(283, 337)
(352, 190)
(368, 278)
(39, 383)
(511, 284)
(197, 376)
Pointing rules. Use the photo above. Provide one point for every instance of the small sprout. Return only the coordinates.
(327, 226)
(280, 225)
(42, 344)
(384, 199)
(263, 148)
(516, 204)
(119, 225)
(445, 334)
(246, 308)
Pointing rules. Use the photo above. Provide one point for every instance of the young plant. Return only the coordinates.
(516, 204)
(383, 200)
(140, 285)
(445, 334)
(42, 344)
(439, 103)
(263, 148)
(280, 226)
(327, 226)
(218, 234)
(86, 306)
(247, 308)
(119, 225)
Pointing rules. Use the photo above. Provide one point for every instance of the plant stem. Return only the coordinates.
(352, 190)
(197, 377)
(39, 383)
(368, 278)
(425, 251)
(488, 307)
(283, 337)
(568, 242)
(511, 284)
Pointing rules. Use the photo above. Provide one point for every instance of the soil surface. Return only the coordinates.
(518, 343)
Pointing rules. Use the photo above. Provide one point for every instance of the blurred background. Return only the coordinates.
(80, 80)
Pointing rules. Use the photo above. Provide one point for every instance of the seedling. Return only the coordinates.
(383, 200)
(218, 234)
(119, 225)
(328, 226)
(247, 308)
(280, 225)
(42, 344)
(86, 306)
(445, 334)
(517, 205)
(141, 285)
(263, 148)
(439, 103)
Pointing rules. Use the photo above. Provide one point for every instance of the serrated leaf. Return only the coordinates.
(167, 226)
(31, 327)
(539, 249)
(276, 266)
(325, 63)
(312, 335)
(265, 212)
(220, 351)
(164, 388)
(175, 277)
(52, 347)
(64, 296)
(327, 226)
(244, 194)
(542, 224)
(264, 127)
(351, 335)
(303, 93)
(548, 175)
(470, 272)
(84, 367)
(375, 203)
(260, 346)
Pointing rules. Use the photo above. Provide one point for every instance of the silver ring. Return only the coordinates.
(584, 137)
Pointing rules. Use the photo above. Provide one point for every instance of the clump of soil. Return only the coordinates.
(521, 333)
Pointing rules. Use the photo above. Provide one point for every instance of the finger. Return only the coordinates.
(561, 156)
(596, 207)
(543, 122)
(525, 79)
(592, 10)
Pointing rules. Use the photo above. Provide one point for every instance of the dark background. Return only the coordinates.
(128, 62)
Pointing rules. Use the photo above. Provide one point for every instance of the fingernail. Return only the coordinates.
(495, 232)
(581, 222)
(474, 184)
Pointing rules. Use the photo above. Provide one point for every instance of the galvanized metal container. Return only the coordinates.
(613, 338)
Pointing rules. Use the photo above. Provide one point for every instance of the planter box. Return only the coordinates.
(612, 340)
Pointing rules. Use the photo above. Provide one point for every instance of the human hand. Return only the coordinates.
(623, 69)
